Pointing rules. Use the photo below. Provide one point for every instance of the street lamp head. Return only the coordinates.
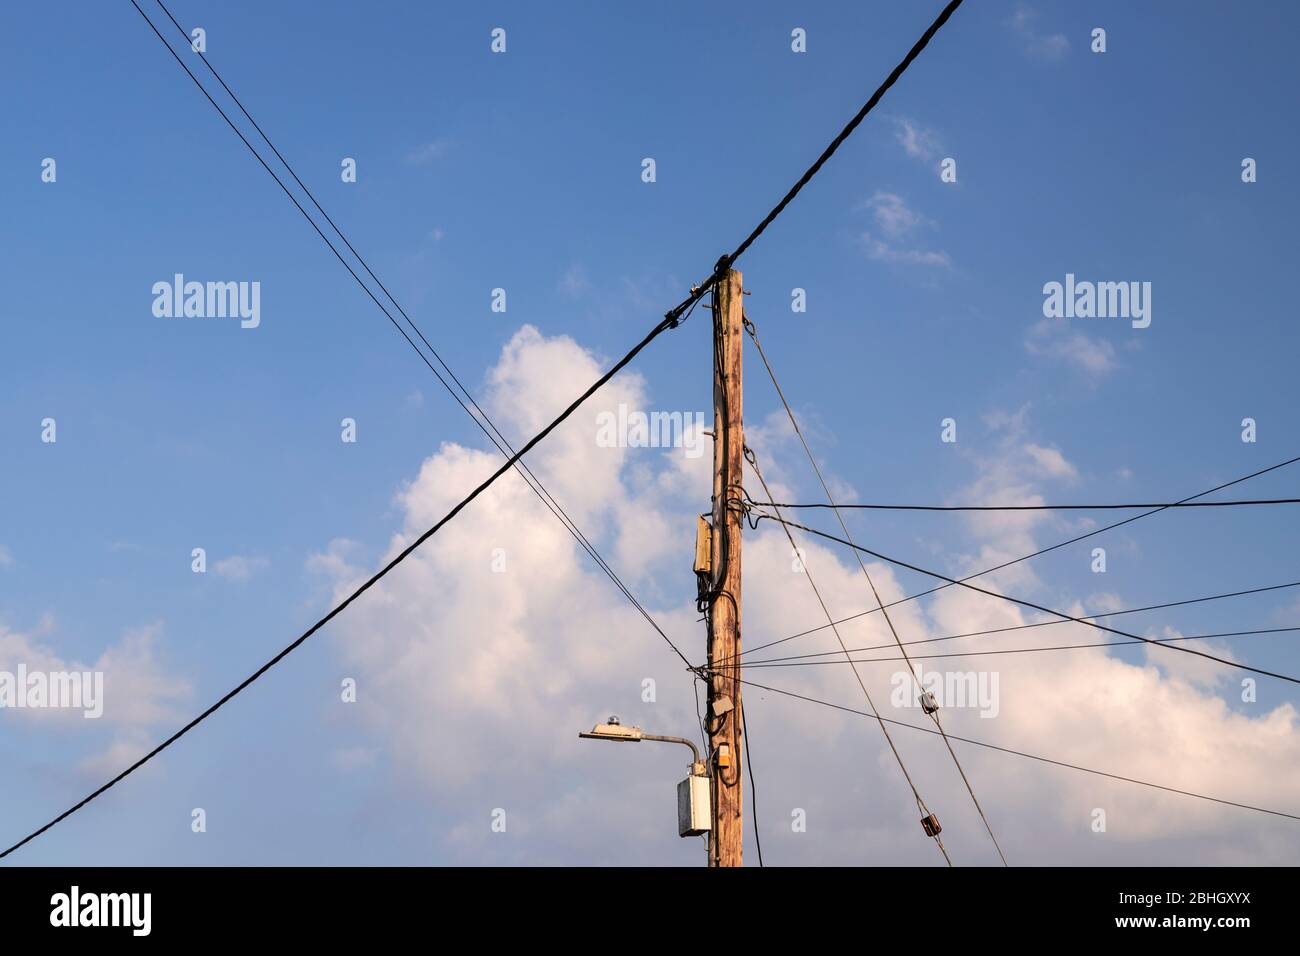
(614, 731)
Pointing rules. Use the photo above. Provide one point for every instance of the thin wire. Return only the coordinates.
(788, 662)
(1034, 554)
(753, 789)
(671, 320)
(667, 323)
(1174, 504)
(699, 715)
(494, 435)
(1029, 756)
(1029, 604)
(921, 805)
(1022, 627)
(875, 594)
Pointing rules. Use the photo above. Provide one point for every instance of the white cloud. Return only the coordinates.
(897, 221)
(138, 693)
(1050, 462)
(892, 214)
(6, 557)
(1051, 339)
(1189, 667)
(574, 282)
(917, 141)
(477, 681)
(426, 153)
(334, 561)
(240, 567)
(1043, 46)
(883, 251)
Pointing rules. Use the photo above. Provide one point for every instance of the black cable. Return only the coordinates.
(671, 320)
(753, 789)
(1023, 627)
(1038, 553)
(668, 322)
(1029, 756)
(499, 440)
(933, 714)
(812, 171)
(789, 662)
(1029, 604)
(889, 739)
(699, 715)
(1174, 504)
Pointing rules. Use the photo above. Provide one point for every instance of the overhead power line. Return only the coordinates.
(1037, 624)
(933, 714)
(668, 322)
(489, 429)
(1033, 554)
(1029, 604)
(792, 662)
(916, 794)
(845, 133)
(671, 320)
(1126, 507)
(1020, 753)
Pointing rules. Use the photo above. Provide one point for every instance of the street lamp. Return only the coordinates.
(694, 799)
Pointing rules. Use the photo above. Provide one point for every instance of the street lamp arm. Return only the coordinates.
(695, 751)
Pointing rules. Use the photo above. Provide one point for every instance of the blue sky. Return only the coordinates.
(523, 171)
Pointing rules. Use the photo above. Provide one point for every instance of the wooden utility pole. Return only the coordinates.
(724, 715)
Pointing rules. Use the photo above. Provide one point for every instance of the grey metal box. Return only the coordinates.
(693, 806)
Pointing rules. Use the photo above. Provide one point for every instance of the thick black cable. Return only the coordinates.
(668, 322)
(1029, 604)
(1036, 624)
(1029, 756)
(844, 134)
(499, 440)
(1034, 554)
(671, 320)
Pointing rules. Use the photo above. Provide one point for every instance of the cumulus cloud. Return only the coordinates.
(480, 658)
(138, 692)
